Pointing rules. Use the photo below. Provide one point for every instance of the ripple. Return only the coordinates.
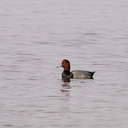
(8, 125)
(45, 42)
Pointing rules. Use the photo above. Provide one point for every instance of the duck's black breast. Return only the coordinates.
(67, 74)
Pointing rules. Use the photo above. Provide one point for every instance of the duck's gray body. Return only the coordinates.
(80, 74)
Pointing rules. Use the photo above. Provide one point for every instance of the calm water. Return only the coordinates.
(35, 35)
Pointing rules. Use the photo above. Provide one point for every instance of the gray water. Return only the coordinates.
(35, 35)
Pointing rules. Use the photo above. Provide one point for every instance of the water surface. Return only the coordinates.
(35, 36)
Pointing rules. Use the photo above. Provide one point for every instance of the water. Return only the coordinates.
(35, 36)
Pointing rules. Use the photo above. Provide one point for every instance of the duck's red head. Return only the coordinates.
(66, 64)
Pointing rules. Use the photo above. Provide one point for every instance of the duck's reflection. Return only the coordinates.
(66, 80)
(65, 85)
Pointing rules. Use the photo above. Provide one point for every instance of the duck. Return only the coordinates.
(75, 74)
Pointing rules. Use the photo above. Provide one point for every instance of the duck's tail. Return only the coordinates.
(92, 74)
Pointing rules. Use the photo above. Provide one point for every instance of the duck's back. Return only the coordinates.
(80, 74)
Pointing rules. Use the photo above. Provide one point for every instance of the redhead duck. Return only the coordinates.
(75, 74)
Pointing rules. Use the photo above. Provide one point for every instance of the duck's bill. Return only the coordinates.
(59, 66)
